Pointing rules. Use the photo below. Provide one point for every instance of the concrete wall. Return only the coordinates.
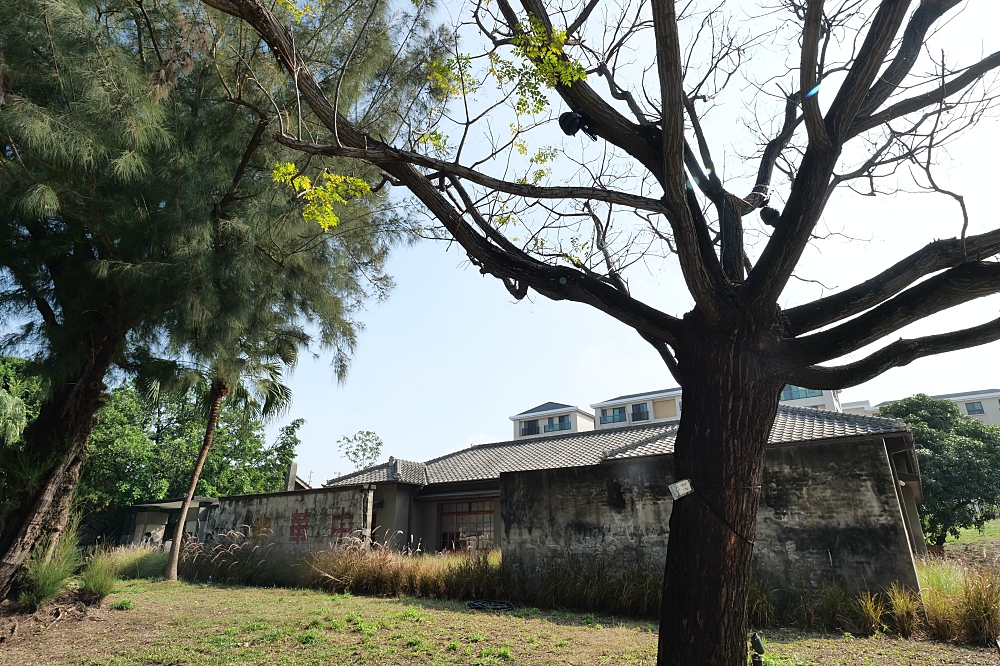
(828, 512)
(297, 521)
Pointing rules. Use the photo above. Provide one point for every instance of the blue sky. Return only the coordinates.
(449, 356)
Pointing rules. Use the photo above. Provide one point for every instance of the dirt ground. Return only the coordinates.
(188, 624)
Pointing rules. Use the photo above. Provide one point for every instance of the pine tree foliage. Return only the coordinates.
(138, 215)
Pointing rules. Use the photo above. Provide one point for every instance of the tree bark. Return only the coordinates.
(219, 390)
(731, 394)
(61, 433)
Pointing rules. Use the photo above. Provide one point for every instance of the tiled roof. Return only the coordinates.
(967, 394)
(488, 461)
(545, 407)
(639, 395)
(397, 469)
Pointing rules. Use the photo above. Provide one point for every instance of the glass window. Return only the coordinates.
(555, 426)
(467, 525)
(974, 408)
(529, 427)
(613, 415)
(796, 393)
(640, 412)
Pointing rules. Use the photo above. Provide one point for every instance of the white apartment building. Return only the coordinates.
(665, 405)
(649, 407)
(983, 405)
(551, 418)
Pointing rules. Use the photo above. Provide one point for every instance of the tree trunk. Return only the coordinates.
(731, 395)
(60, 434)
(218, 392)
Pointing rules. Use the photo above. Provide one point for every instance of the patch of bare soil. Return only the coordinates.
(984, 553)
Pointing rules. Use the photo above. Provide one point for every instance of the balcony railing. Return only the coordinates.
(617, 417)
(529, 430)
(556, 427)
(640, 416)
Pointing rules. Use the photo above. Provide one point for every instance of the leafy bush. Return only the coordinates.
(123, 605)
(43, 579)
(99, 577)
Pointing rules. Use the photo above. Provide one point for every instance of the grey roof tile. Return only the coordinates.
(545, 407)
(397, 469)
(638, 395)
(488, 461)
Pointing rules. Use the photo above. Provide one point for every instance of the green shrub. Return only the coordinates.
(99, 577)
(123, 605)
(42, 579)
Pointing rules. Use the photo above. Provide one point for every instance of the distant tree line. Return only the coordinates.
(141, 448)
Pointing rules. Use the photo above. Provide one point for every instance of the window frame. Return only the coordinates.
(476, 513)
(979, 411)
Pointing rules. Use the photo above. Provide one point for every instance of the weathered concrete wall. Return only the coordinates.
(828, 512)
(613, 511)
(831, 512)
(297, 521)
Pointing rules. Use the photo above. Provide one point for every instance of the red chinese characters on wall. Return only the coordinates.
(343, 524)
(298, 529)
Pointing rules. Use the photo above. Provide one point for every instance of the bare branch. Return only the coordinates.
(899, 353)
(920, 22)
(968, 77)
(808, 71)
(379, 153)
(932, 258)
(953, 287)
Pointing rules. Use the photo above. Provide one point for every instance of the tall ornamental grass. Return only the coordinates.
(43, 578)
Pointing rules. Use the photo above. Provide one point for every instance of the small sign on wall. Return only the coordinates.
(680, 488)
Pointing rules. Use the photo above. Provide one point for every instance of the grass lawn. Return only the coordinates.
(167, 624)
(991, 532)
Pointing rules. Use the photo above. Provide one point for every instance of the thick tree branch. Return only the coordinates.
(220, 208)
(953, 287)
(640, 141)
(897, 354)
(933, 257)
(555, 282)
(968, 77)
(808, 73)
(920, 22)
(866, 66)
(381, 154)
(668, 358)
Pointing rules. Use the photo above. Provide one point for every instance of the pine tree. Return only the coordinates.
(137, 198)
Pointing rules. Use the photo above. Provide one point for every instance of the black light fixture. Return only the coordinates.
(757, 643)
(770, 216)
(572, 122)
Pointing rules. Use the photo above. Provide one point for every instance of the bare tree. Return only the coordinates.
(655, 189)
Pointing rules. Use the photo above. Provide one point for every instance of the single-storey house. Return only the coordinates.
(838, 501)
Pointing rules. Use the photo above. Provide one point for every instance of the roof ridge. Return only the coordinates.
(551, 438)
(849, 416)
